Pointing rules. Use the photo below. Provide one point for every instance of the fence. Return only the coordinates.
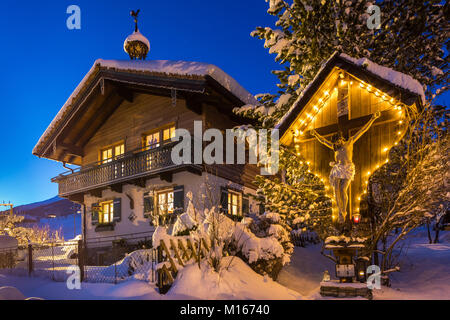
(106, 259)
(118, 258)
(50, 259)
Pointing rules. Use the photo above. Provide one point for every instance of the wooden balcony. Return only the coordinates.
(130, 167)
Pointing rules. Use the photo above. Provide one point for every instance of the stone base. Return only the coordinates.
(345, 290)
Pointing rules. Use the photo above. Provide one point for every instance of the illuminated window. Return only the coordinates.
(234, 203)
(165, 202)
(158, 136)
(107, 212)
(168, 133)
(110, 153)
(151, 140)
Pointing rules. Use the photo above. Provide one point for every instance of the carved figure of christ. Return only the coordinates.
(343, 169)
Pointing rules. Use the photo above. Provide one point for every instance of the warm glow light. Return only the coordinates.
(385, 149)
(376, 93)
(387, 160)
(327, 93)
(361, 85)
(399, 133)
(315, 108)
(400, 122)
(396, 143)
(368, 173)
(359, 198)
(320, 100)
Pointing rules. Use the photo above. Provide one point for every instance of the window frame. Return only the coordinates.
(101, 216)
(160, 131)
(157, 203)
(111, 147)
(238, 206)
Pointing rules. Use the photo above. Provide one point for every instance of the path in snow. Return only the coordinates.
(305, 271)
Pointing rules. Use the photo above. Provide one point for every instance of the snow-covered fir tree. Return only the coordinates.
(411, 39)
(299, 196)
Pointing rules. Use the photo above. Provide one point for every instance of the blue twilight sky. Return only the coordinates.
(41, 62)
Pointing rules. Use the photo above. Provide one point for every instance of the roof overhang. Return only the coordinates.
(336, 61)
(104, 88)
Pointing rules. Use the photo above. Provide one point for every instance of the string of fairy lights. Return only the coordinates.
(310, 116)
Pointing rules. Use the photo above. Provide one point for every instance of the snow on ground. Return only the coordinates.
(424, 270)
(235, 281)
(305, 272)
(425, 274)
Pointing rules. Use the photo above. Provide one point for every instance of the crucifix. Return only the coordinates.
(343, 169)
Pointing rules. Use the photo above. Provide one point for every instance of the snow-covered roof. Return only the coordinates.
(396, 78)
(167, 67)
(399, 79)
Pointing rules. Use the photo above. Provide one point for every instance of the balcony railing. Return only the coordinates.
(127, 167)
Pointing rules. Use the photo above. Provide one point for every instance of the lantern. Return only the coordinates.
(356, 218)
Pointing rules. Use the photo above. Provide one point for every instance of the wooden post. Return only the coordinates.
(30, 259)
(81, 259)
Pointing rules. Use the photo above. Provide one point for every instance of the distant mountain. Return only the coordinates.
(55, 206)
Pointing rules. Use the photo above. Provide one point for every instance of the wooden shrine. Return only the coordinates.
(343, 97)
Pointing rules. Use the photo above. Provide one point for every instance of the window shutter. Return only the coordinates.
(178, 199)
(262, 208)
(224, 199)
(245, 205)
(117, 210)
(149, 204)
(94, 214)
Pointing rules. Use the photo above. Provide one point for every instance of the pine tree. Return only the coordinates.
(411, 39)
(299, 197)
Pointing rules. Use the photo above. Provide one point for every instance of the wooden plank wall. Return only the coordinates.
(132, 119)
(368, 150)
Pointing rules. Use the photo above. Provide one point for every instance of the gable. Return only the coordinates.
(326, 81)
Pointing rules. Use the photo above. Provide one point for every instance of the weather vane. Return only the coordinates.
(135, 14)
(136, 45)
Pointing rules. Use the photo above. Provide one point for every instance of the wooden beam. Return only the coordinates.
(117, 188)
(78, 198)
(140, 182)
(96, 193)
(71, 149)
(193, 103)
(125, 93)
(99, 117)
(166, 176)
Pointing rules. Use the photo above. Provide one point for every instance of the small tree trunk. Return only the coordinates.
(436, 235)
(428, 231)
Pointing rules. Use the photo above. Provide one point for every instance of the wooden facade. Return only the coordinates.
(121, 106)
